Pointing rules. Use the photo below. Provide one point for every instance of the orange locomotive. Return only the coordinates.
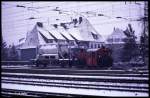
(100, 57)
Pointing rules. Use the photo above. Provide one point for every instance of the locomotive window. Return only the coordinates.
(52, 57)
(46, 57)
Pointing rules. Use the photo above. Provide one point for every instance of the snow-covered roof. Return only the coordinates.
(89, 23)
(75, 33)
(117, 33)
(54, 32)
(31, 38)
(41, 40)
(117, 37)
(65, 33)
(45, 33)
(87, 31)
(83, 31)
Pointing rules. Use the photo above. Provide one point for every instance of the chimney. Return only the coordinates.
(80, 20)
(55, 25)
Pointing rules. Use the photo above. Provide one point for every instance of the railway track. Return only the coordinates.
(65, 82)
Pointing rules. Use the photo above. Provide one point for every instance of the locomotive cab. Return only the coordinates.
(46, 59)
(91, 58)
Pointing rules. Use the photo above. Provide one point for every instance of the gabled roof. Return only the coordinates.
(41, 40)
(54, 32)
(75, 33)
(85, 30)
(34, 37)
(64, 33)
(31, 38)
(117, 33)
(88, 28)
(44, 32)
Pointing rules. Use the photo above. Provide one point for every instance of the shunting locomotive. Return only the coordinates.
(77, 57)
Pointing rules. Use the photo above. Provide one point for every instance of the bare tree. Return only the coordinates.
(4, 50)
(13, 53)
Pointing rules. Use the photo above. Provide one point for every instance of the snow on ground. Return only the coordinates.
(109, 74)
(15, 66)
(79, 82)
(70, 90)
(79, 86)
(77, 76)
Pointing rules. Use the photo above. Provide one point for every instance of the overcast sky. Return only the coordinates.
(16, 22)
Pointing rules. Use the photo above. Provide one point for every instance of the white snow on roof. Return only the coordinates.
(41, 40)
(65, 33)
(87, 30)
(75, 33)
(45, 33)
(54, 32)
(89, 23)
(31, 38)
(117, 33)
(93, 28)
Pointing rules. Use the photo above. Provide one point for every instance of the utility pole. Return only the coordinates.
(144, 36)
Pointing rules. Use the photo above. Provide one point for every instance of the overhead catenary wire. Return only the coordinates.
(23, 14)
(54, 16)
(49, 9)
(55, 6)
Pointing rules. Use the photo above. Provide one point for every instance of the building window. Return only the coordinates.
(91, 45)
(110, 40)
(50, 41)
(123, 40)
(95, 45)
(99, 45)
(94, 35)
(39, 24)
(117, 40)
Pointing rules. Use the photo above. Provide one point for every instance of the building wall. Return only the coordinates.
(27, 54)
(95, 44)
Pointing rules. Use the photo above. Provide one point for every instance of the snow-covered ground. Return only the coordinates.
(77, 91)
(78, 82)
(77, 76)
(70, 86)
